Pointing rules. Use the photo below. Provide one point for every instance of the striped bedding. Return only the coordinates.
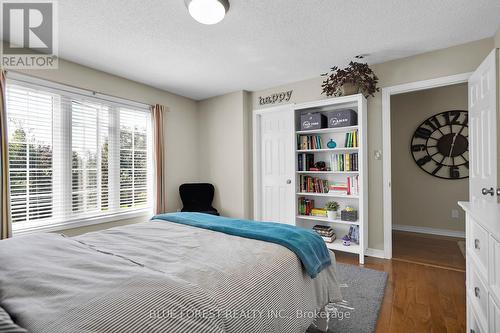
(158, 277)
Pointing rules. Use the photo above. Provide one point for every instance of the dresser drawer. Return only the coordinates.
(477, 246)
(494, 269)
(478, 294)
(494, 316)
(474, 325)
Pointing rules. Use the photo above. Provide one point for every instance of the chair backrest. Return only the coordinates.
(197, 196)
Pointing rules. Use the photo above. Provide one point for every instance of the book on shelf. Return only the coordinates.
(353, 185)
(305, 162)
(313, 185)
(349, 187)
(351, 139)
(305, 142)
(329, 239)
(344, 162)
(320, 212)
(305, 206)
(325, 232)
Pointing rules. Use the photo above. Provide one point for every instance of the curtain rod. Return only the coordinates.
(90, 92)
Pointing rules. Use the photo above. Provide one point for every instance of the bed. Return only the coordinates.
(158, 276)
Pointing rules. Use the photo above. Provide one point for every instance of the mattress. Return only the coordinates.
(159, 277)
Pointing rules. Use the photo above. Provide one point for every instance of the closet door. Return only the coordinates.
(483, 122)
(274, 162)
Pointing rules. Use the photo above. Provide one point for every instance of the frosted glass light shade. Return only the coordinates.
(207, 11)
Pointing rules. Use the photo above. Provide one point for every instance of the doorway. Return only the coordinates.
(415, 180)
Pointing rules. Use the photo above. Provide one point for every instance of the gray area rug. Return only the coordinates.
(363, 292)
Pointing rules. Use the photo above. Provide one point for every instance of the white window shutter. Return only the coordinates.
(75, 158)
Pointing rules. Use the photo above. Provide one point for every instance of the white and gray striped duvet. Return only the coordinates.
(158, 277)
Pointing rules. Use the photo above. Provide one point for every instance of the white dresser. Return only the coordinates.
(483, 267)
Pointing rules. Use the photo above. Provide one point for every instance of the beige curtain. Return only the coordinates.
(160, 189)
(5, 224)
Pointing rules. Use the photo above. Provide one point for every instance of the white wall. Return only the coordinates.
(419, 199)
(223, 151)
(449, 61)
(181, 124)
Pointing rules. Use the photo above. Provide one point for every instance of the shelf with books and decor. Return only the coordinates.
(337, 245)
(327, 172)
(324, 219)
(331, 164)
(328, 130)
(327, 150)
(331, 195)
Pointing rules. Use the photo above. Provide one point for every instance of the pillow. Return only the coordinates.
(7, 325)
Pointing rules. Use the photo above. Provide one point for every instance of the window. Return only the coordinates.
(75, 157)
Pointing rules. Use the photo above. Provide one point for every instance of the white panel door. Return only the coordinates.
(483, 100)
(277, 165)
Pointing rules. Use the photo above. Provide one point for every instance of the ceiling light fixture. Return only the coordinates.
(207, 11)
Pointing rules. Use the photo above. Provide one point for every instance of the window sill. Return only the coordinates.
(24, 230)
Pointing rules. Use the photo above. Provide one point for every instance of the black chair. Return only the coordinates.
(198, 198)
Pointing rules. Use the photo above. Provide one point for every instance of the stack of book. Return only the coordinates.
(309, 142)
(306, 206)
(310, 184)
(351, 140)
(344, 162)
(325, 232)
(319, 212)
(305, 162)
(349, 187)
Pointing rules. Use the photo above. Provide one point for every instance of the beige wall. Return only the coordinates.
(219, 138)
(181, 124)
(420, 199)
(449, 61)
(223, 151)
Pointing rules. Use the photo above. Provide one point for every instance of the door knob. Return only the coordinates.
(288, 181)
(498, 191)
(490, 191)
(477, 292)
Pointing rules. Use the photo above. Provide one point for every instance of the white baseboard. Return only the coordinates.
(375, 253)
(427, 230)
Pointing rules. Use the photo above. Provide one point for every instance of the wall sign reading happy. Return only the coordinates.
(276, 98)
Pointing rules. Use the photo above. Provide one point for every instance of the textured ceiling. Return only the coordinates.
(260, 43)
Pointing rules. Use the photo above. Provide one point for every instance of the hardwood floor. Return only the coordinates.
(432, 250)
(418, 298)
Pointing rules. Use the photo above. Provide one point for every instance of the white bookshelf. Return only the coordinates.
(360, 201)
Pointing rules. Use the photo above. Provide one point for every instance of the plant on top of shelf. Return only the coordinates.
(331, 209)
(355, 78)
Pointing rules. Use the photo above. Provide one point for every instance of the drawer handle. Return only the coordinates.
(472, 331)
(476, 244)
(486, 191)
(477, 292)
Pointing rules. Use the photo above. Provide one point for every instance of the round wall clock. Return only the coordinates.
(440, 145)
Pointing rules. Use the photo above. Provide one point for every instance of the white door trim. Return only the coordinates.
(257, 177)
(386, 141)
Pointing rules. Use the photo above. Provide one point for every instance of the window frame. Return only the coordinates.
(113, 102)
